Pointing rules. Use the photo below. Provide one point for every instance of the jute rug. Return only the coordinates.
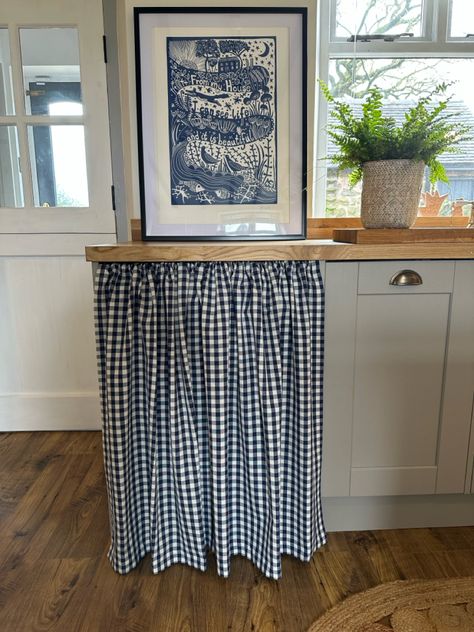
(440, 605)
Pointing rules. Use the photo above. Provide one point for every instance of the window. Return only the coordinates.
(52, 89)
(54, 120)
(461, 19)
(405, 48)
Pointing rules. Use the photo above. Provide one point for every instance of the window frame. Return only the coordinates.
(426, 24)
(434, 42)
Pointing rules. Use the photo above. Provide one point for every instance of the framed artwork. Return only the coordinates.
(222, 107)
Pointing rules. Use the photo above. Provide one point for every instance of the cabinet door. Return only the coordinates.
(469, 486)
(341, 303)
(454, 465)
(399, 365)
(399, 379)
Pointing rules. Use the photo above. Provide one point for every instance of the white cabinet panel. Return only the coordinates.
(399, 365)
(459, 385)
(341, 302)
(399, 380)
(392, 481)
(469, 487)
(48, 372)
(47, 325)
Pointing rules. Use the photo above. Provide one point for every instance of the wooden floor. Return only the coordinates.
(54, 574)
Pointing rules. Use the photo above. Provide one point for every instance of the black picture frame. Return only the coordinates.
(292, 200)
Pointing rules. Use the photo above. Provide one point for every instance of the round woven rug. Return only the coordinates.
(439, 605)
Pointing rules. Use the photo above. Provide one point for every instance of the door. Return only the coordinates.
(398, 383)
(399, 379)
(55, 197)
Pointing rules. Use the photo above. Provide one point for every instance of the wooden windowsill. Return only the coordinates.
(321, 228)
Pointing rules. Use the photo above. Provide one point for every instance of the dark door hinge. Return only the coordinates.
(104, 45)
(112, 191)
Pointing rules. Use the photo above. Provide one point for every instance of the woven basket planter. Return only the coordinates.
(391, 193)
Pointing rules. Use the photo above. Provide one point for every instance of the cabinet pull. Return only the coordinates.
(406, 277)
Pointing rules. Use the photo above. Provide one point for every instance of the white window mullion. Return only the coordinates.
(52, 119)
(443, 21)
(326, 21)
(320, 167)
(430, 19)
(409, 48)
(329, 10)
(19, 100)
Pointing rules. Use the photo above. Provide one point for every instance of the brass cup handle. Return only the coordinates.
(406, 277)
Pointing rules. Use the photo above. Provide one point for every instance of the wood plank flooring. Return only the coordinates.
(54, 574)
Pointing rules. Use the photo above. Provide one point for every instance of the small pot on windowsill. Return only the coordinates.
(391, 193)
(432, 204)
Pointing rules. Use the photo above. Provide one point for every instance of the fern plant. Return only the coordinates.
(428, 130)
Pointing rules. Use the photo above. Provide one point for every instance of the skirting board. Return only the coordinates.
(49, 411)
(398, 512)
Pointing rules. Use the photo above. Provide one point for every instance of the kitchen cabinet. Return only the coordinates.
(399, 379)
(393, 432)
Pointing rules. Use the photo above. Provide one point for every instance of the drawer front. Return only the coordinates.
(375, 276)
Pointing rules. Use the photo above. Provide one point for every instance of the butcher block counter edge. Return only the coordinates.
(309, 250)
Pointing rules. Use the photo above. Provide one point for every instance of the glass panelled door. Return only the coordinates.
(55, 167)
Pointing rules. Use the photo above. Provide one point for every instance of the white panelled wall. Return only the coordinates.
(48, 376)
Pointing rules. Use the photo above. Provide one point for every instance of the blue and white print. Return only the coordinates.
(222, 120)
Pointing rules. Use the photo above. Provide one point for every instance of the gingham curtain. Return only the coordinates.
(211, 389)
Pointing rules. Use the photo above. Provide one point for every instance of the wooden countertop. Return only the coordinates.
(309, 249)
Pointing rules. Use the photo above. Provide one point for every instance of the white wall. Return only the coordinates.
(48, 374)
(126, 55)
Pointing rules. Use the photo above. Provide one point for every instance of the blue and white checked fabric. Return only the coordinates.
(211, 389)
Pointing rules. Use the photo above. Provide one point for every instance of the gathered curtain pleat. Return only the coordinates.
(210, 380)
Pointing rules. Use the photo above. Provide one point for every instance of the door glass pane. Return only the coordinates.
(402, 82)
(11, 186)
(7, 105)
(58, 162)
(51, 71)
(462, 18)
(378, 16)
